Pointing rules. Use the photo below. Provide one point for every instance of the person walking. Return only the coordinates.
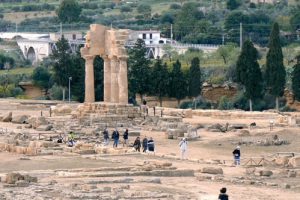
(151, 146)
(106, 137)
(116, 137)
(137, 144)
(223, 195)
(125, 137)
(183, 148)
(237, 155)
(145, 144)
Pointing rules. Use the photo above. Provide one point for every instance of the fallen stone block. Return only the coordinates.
(22, 183)
(44, 127)
(20, 119)
(265, 173)
(7, 117)
(12, 178)
(212, 170)
(294, 162)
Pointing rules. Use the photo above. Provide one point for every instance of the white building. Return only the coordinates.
(151, 37)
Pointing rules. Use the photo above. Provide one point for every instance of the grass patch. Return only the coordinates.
(26, 70)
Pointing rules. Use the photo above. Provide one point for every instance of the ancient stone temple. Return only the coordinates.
(109, 44)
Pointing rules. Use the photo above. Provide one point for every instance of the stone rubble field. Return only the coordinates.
(34, 167)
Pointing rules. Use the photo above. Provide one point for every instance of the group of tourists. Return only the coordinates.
(148, 145)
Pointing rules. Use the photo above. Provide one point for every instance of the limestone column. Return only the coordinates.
(114, 92)
(123, 81)
(107, 80)
(89, 95)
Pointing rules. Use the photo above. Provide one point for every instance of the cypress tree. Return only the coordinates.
(249, 73)
(139, 69)
(62, 66)
(194, 78)
(177, 82)
(275, 71)
(296, 79)
(160, 80)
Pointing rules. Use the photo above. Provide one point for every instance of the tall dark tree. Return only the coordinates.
(178, 86)
(194, 78)
(249, 73)
(62, 63)
(160, 80)
(275, 71)
(139, 69)
(233, 4)
(68, 11)
(78, 77)
(41, 77)
(296, 79)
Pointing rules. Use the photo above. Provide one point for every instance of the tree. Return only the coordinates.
(275, 71)
(62, 63)
(160, 80)
(225, 51)
(295, 20)
(194, 78)
(186, 19)
(249, 73)
(169, 51)
(68, 11)
(41, 77)
(178, 86)
(296, 79)
(232, 4)
(139, 69)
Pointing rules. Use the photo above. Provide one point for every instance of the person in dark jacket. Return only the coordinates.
(125, 137)
(116, 137)
(106, 137)
(145, 144)
(237, 155)
(137, 144)
(223, 195)
(151, 145)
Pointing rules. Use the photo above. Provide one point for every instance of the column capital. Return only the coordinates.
(88, 57)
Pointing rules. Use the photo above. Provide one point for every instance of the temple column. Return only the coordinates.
(107, 80)
(114, 92)
(123, 82)
(89, 95)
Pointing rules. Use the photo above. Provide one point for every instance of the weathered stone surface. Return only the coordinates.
(292, 174)
(212, 170)
(294, 162)
(22, 183)
(12, 178)
(37, 121)
(44, 127)
(282, 160)
(7, 117)
(265, 173)
(20, 119)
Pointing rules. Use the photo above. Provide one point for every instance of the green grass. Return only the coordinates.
(26, 70)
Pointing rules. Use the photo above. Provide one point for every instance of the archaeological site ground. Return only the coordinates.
(34, 166)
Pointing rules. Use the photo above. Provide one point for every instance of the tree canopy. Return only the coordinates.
(194, 78)
(68, 11)
(275, 70)
(178, 86)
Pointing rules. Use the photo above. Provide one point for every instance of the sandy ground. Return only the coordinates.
(211, 145)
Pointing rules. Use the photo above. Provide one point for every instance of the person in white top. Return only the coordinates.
(183, 148)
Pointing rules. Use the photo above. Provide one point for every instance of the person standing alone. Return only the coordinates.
(125, 137)
(183, 148)
(237, 155)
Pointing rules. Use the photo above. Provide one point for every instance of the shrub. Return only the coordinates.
(175, 6)
(225, 103)
(126, 9)
(56, 92)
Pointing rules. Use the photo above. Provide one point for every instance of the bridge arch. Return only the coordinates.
(31, 55)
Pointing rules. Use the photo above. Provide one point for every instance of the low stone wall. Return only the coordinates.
(231, 114)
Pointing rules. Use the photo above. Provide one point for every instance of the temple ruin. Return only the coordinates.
(108, 44)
